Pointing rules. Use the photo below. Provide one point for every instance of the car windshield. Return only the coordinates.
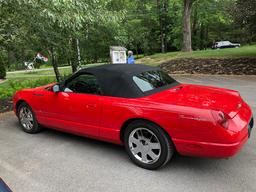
(151, 80)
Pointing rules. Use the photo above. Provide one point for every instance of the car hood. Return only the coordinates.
(198, 96)
(40, 88)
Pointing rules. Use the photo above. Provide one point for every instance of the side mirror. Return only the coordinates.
(56, 88)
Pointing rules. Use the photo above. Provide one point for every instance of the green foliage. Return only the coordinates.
(50, 25)
(11, 86)
(211, 22)
(244, 14)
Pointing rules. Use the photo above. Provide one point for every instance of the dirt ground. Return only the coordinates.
(228, 66)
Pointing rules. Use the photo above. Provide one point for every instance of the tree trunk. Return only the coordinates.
(162, 7)
(78, 52)
(206, 36)
(186, 26)
(74, 56)
(137, 52)
(165, 18)
(202, 37)
(11, 58)
(194, 23)
(194, 29)
(162, 42)
(55, 65)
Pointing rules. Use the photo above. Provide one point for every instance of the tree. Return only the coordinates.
(163, 8)
(210, 22)
(52, 23)
(187, 46)
(244, 13)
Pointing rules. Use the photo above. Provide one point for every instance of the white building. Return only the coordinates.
(118, 55)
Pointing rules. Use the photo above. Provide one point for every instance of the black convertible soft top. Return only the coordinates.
(117, 79)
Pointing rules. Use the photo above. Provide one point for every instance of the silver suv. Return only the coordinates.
(225, 44)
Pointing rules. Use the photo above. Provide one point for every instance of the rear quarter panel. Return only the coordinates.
(177, 121)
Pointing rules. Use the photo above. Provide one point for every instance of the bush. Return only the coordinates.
(2, 71)
(14, 85)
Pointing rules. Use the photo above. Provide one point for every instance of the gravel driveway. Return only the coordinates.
(54, 161)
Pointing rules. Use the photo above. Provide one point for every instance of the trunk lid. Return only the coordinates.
(214, 98)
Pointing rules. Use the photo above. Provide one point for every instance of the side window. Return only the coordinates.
(84, 83)
(150, 80)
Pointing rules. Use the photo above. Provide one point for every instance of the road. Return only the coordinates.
(52, 161)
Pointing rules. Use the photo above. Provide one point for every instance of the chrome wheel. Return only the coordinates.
(144, 145)
(26, 118)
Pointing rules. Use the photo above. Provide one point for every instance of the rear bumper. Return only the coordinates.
(206, 149)
(216, 150)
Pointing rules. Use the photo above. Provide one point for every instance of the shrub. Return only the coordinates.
(14, 85)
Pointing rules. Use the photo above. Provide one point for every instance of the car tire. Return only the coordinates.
(147, 145)
(27, 119)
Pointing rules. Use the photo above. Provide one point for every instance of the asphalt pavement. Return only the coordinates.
(52, 161)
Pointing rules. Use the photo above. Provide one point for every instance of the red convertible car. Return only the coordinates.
(144, 109)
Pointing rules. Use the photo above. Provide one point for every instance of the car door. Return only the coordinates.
(77, 108)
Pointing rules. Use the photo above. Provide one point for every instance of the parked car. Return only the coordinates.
(225, 44)
(144, 109)
(4, 187)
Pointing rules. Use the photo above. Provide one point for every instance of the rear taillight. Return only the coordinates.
(220, 118)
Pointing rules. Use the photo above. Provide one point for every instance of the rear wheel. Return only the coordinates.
(147, 145)
(27, 119)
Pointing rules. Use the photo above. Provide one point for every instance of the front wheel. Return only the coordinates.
(147, 145)
(27, 119)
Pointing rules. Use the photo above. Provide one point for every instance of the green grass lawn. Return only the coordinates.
(157, 59)
(44, 73)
